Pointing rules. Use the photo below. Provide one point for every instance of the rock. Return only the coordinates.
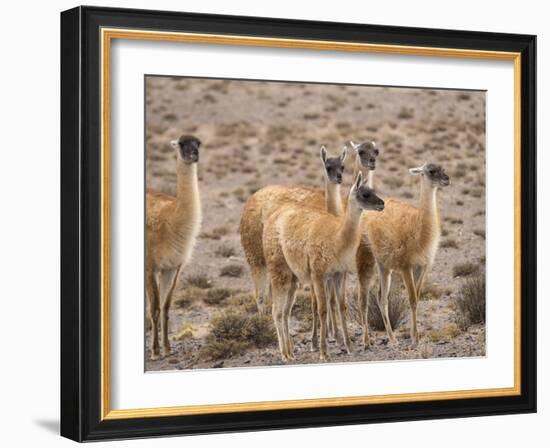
(218, 364)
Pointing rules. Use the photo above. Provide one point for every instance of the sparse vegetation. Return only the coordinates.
(405, 113)
(199, 281)
(232, 270)
(480, 233)
(233, 333)
(397, 309)
(216, 233)
(225, 251)
(215, 296)
(465, 269)
(449, 243)
(189, 295)
(470, 304)
(431, 291)
(445, 334)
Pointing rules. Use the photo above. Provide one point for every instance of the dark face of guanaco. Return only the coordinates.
(188, 148)
(366, 198)
(334, 166)
(367, 153)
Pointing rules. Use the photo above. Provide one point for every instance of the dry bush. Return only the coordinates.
(245, 301)
(302, 310)
(446, 333)
(199, 281)
(470, 304)
(232, 270)
(480, 233)
(449, 243)
(216, 233)
(233, 333)
(397, 309)
(465, 269)
(405, 113)
(225, 251)
(216, 295)
(189, 295)
(431, 291)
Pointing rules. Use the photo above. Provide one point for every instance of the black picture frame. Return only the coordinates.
(81, 224)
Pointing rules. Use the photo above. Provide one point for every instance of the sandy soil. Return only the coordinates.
(261, 133)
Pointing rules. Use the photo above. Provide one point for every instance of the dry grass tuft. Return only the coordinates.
(397, 309)
(431, 291)
(465, 269)
(470, 305)
(233, 333)
(189, 295)
(449, 243)
(447, 333)
(216, 233)
(199, 281)
(232, 270)
(215, 296)
(225, 251)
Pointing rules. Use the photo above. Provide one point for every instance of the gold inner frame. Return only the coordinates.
(107, 35)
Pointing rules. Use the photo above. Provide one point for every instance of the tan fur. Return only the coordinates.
(172, 224)
(309, 246)
(403, 238)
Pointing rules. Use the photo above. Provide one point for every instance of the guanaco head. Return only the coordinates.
(367, 153)
(363, 196)
(334, 166)
(187, 148)
(432, 173)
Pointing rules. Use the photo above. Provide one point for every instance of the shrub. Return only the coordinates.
(449, 243)
(216, 295)
(225, 251)
(216, 233)
(480, 233)
(232, 270)
(397, 309)
(189, 295)
(470, 304)
(444, 334)
(233, 333)
(199, 281)
(431, 292)
(465, 269)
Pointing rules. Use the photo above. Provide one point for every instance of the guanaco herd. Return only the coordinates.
(294, 235)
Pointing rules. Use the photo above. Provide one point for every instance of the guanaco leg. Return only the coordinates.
(321, 295)
(385, 285)
(154, 303)
(408, 279)
(168, 280)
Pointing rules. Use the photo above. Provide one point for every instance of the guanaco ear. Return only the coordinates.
(358, 181)
(323, 153)
(344, 154)
(174, 144)
(417, 171)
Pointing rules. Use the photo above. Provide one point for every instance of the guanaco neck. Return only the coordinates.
(349, 233)
(367, 173)
(333, 200)
(429, 213)
(187, 195)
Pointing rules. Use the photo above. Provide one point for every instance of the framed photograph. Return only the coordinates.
(271, 223)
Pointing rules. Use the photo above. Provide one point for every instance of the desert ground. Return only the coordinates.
(260, 133)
